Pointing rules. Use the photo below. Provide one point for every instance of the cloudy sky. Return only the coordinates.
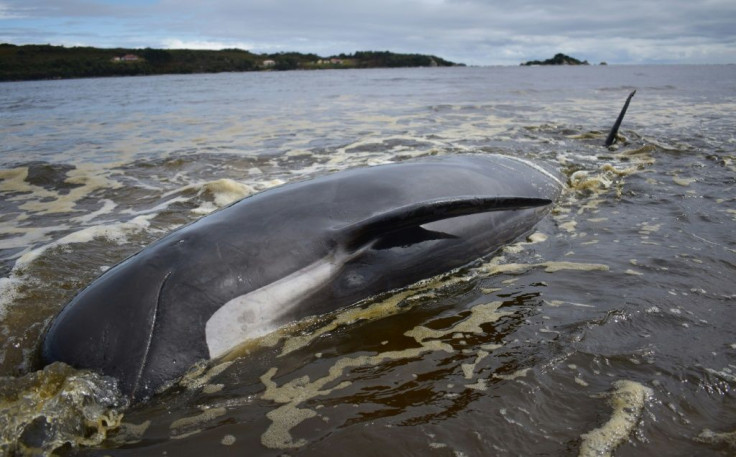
(475, 32)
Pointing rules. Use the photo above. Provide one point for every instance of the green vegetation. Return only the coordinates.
(367, 59)
(558, 59)
(54, 62)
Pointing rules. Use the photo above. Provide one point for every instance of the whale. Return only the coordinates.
(298, 250)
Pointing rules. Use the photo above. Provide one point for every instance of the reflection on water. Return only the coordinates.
(605, 331)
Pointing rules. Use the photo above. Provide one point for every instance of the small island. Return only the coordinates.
(33, 62)
(558, 59)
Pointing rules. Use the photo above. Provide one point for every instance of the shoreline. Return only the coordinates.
(47, 62)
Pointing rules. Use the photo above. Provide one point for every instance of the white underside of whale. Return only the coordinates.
(258, 313)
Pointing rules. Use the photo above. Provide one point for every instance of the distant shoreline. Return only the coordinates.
(47, 62)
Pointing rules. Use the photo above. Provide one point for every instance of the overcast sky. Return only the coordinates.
(475, 32)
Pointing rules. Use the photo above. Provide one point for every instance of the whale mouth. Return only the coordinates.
(134, 393)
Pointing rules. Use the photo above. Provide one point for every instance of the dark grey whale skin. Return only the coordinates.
(385, 227)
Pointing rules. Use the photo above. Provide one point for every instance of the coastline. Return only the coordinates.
(47, 62)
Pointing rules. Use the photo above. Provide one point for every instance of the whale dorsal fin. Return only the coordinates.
(614, 131)
(412, 216)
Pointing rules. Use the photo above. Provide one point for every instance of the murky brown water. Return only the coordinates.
(607, 331)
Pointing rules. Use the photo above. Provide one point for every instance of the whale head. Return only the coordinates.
(112, 327)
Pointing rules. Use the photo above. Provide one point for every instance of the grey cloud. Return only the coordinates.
(474, 31)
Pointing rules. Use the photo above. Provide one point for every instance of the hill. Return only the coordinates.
(30, 62)
(558, 59)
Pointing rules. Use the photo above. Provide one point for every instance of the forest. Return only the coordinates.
(33, 62)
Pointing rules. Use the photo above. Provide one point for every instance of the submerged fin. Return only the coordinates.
(408, 217)
(612, 135)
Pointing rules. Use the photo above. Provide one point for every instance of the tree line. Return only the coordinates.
(29, 62)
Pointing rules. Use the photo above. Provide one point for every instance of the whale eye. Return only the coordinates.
(354, 279)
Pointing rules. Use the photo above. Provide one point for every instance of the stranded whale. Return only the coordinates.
(298, 250)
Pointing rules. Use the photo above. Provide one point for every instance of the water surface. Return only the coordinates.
(607, 330)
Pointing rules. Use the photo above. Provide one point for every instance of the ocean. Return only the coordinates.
(607, 331)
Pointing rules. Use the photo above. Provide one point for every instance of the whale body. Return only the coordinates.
(294, 251)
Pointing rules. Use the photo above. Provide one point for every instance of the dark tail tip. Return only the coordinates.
(612, 135)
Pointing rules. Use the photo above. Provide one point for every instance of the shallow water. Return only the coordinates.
(607, 330)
